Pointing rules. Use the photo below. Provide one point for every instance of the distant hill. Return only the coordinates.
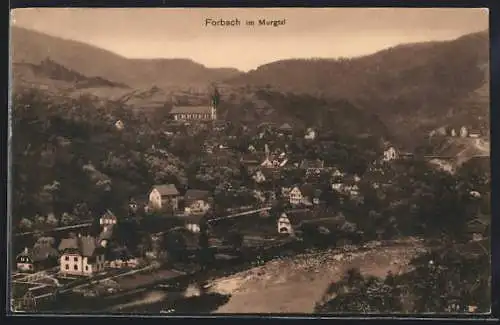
(30, 47)
(406, 91)
(411, 87)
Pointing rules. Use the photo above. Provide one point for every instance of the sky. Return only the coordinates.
(307, 32)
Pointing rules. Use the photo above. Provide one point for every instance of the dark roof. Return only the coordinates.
(39, 252)
(190, 110)
(307, 189)
(285, 127)
(84, 245)
(297, 217)
(166, 189)
(193, 195)
(312, 164)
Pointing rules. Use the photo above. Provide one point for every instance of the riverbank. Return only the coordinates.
(284, 284)
(295, 285)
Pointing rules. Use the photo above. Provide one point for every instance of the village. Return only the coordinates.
(289, 188)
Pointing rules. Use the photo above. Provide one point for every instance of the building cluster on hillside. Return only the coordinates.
(461, 131)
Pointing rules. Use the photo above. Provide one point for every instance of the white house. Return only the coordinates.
(267, 163)
(474, 134)
(119, 125)
(196, 201)
(107, 219)
(259, 176)
(310, 134)
(390, 154)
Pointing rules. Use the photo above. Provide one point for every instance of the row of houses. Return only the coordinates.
(75, 255)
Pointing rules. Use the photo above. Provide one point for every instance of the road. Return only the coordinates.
(81, 225)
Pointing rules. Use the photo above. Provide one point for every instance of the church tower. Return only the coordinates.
(214, 103)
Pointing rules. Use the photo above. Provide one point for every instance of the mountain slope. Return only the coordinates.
(411, 86)
(33, 47)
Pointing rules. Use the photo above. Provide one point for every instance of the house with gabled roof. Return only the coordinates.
(285, 128)
(312, 166)
(40, 257)
(188, 113)
(164, 196)
(305, 194)
(108, 219)
(119, 125)
(81, 255)
(197, 201)
(310, 134)
(291, 221)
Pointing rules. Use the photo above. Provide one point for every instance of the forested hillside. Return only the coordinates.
(411, 87)
(32, 47)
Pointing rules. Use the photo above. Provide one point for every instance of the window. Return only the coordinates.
(75, 267)
(66, 258)
(86, 267)
(67, 267)
(76, 259)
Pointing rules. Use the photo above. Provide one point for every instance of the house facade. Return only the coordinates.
(259, 177)
(284, 225)
(119, 125)
(312, 166)
(295, 196)
(390, 154)
(81, 256)
(464, 132)
(194, 113)
(40, 257)
(310, 134)
(108, 219)
(164, 196)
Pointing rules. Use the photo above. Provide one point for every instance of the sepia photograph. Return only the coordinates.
(194, 161)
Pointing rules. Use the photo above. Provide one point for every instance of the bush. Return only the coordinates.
(443, 281)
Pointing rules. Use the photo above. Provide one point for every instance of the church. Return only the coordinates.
(197, 113)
